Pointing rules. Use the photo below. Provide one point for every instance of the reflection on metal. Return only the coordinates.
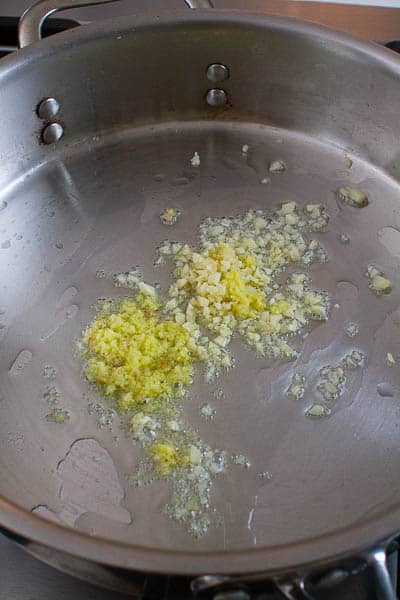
(52, 133)
(216, 97)
(31, 23)
(47, 109)
(217, 73)
(207, 582)
(118, 196)
(377, 561)
(199, 3)
(64, 186)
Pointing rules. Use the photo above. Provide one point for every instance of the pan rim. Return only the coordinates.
(268, 559)
(136, 22)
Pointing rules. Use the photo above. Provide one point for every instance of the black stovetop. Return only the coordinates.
(23, 577)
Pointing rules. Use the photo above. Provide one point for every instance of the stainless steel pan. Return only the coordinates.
(96, 133)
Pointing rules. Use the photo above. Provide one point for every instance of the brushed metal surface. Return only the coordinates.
(92, 201)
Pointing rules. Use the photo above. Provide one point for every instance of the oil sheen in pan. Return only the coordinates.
(113, 227)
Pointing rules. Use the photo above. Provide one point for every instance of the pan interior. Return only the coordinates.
(97, 209)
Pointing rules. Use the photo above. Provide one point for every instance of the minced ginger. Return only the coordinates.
(166, 458)
(135, 356)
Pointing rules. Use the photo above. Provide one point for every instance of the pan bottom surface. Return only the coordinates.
(71, 224)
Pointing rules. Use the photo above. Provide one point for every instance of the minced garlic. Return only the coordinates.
(296, 389)
(390, 360)
(377, 282)
(141, 353)
(353, 196)
(277, 166)
(317, 411)
(229, 284)
(169, 216)
(195, 160)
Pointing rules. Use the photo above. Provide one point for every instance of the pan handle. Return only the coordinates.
(31, 22)
(377, 561)
(308, 585)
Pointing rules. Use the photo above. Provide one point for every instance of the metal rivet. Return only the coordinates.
(217, 72)
(47, 109)
(216, 97)
(52, 133)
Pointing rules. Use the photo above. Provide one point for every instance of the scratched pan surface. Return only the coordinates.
(92, 202)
